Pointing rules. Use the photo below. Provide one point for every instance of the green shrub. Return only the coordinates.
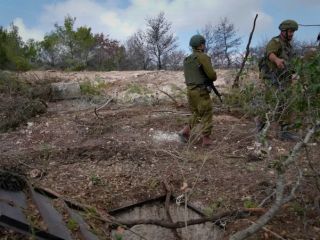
(134, 88)
(91, 89)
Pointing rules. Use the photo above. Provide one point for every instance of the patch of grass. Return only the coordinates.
(92, 88)
(250, 99)
(134, 88)
(96, 180)
(213, 207)
(297, 208)
(178, 92)
(249, 203)
(153, 183)
(72, 225)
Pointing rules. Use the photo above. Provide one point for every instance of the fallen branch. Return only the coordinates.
(181, 224)
(167, 208)
(280, 186)
(102, 106)
(269, 231)
(172, 98)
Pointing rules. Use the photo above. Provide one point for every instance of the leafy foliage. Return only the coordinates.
(14, 53)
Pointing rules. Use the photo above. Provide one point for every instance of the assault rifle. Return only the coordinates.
(210, 87)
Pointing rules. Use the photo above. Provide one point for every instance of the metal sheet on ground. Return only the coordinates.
(51, 216)
(17, 198)
(84, 227)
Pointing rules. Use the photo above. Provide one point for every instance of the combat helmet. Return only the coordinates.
(288, 25)
(197, 40)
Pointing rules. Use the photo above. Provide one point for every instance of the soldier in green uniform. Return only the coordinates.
(277, 74)
(197, 71)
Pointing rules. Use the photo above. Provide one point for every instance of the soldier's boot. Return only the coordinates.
(286, 135)
(184, 134)
(260, 124)
(206, 141)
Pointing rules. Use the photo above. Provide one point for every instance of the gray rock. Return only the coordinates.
(65, 90)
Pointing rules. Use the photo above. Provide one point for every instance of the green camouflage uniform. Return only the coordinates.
(278, 81)
(197, 70)
(269, 71)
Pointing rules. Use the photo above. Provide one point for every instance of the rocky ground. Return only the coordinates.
(124, 152)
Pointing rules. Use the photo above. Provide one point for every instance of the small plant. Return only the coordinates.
(135, 88)
(153, 183)
(96, 180)
(213, 207)
(178, 92)
(297, 208)
(72, 224)
(90, 89)
(249, 203)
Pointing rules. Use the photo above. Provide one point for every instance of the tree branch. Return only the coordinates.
(280, 199)
(167, 208)
(181, 224)
(236, 80)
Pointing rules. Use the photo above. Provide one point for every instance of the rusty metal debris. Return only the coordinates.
(14, 214)
(13, 206)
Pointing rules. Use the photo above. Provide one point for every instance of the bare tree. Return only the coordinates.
(226, 41)
(174, 60)
(138, 56)
(208, 33)
(160, 40)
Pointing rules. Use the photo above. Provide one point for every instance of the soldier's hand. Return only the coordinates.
(280, 63)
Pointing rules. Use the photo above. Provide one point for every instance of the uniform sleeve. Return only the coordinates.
(273, 47)
(205, 61)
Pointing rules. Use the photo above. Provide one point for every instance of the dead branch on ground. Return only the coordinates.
(181, 224)
(102, 106)
(177, 104)
(281, 199)
(167, 208)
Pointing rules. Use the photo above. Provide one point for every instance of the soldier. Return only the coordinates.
(275, 70)
(197, 71)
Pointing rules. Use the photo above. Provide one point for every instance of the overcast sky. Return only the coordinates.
(120, 19)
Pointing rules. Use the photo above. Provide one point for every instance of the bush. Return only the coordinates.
(92, 89)
(18, 102)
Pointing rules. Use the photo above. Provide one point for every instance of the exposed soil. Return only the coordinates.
(124, 155)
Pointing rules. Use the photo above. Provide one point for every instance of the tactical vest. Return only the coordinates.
(193, 71)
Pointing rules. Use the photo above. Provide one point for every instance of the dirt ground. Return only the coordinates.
(124, 155)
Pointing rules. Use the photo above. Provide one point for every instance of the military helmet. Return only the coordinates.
(288, 25)
(196, 41)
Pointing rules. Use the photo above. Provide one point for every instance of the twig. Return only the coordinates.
(236, 80)
(233, 156)
(167, 208)
(99, 108)
(269, 231)
(266, 199)
(167, 94)
(181, 224)
(316, 175)
(109, 219)
(280, 199)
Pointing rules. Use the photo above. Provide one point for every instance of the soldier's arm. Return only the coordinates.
(278, 61)
(273, 47)
(205, 61)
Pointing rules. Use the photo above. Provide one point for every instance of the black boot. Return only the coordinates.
(286, 135)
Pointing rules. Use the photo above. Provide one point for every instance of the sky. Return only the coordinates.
(121, 18)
